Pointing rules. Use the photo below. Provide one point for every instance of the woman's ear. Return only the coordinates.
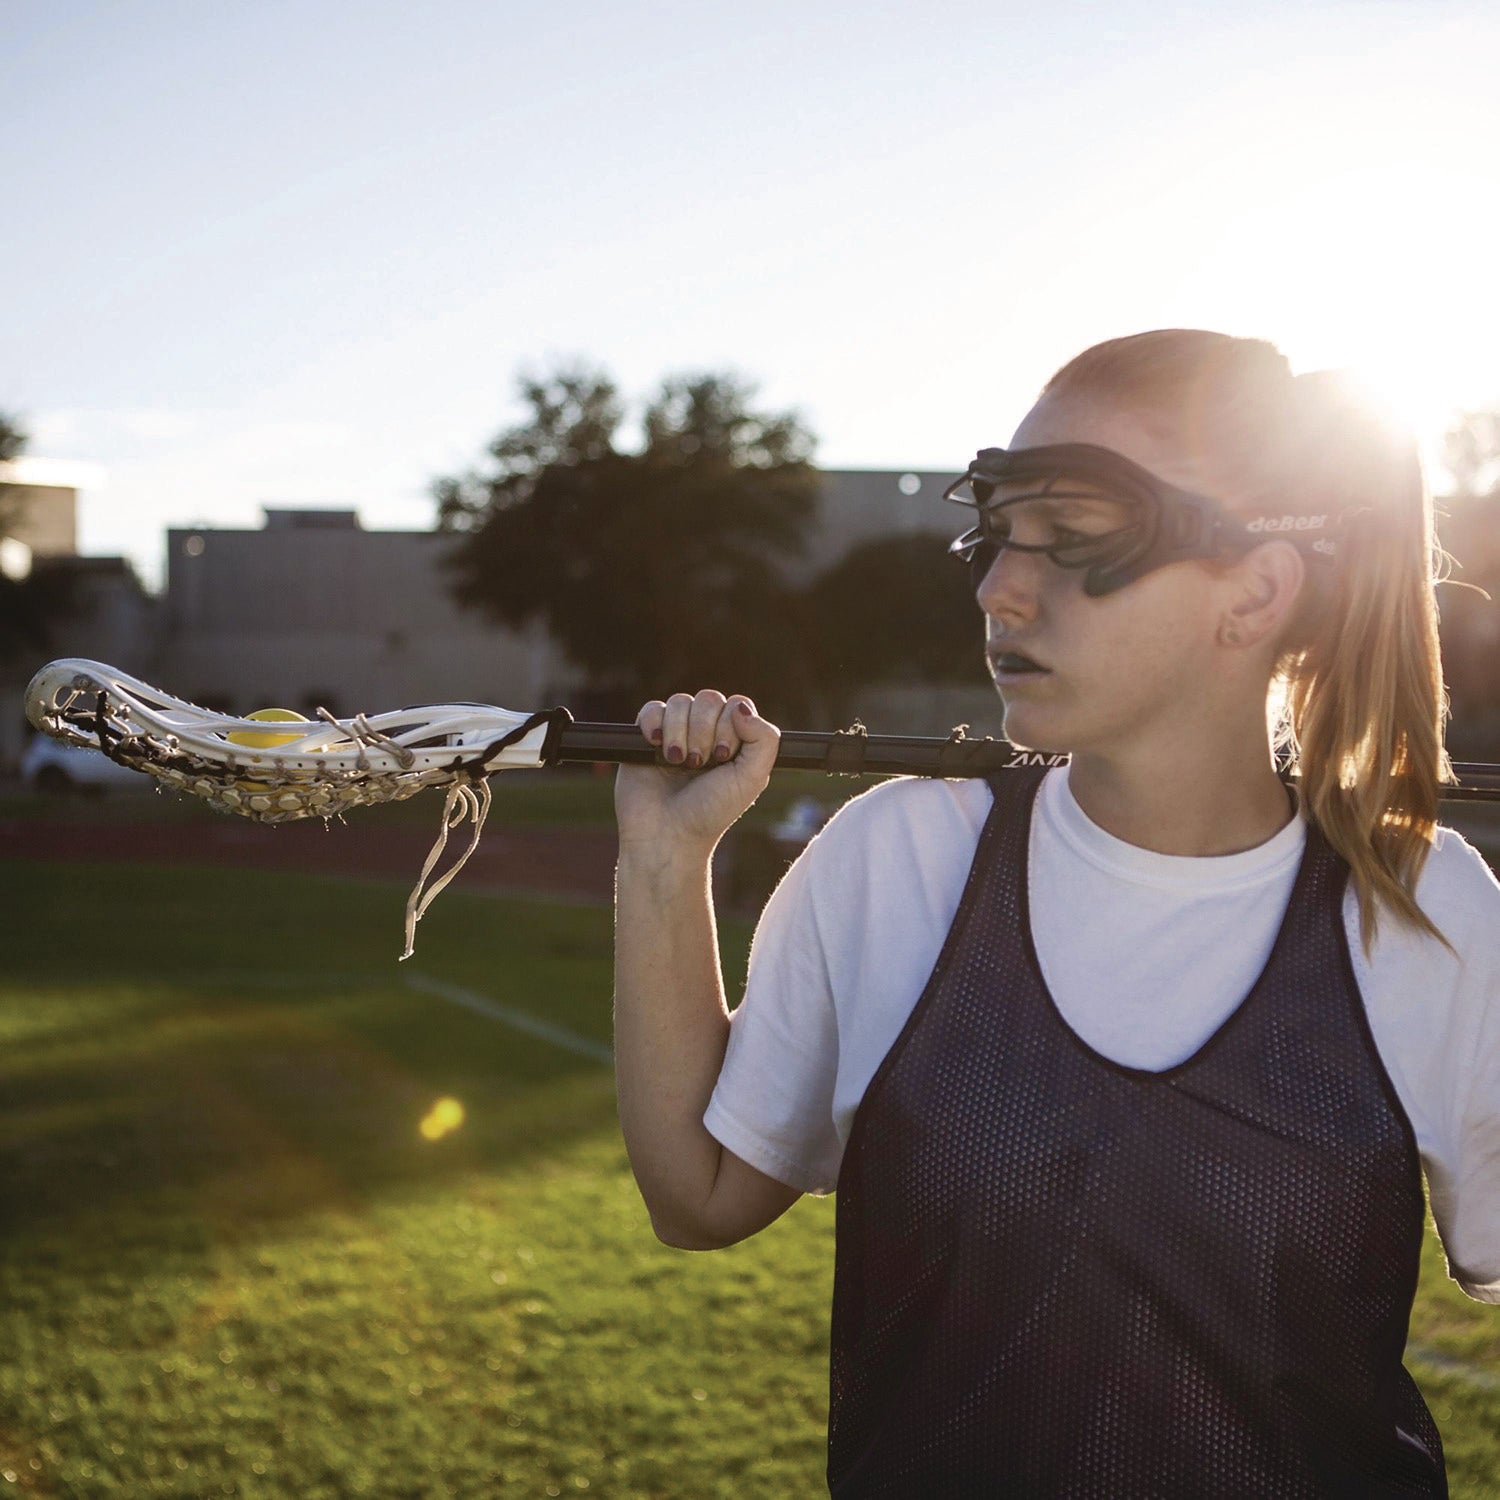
(1263, 589)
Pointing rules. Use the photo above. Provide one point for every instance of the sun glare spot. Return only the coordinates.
(1353, 268)
(444, 1116)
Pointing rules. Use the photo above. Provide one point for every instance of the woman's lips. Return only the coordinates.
(1014, 666)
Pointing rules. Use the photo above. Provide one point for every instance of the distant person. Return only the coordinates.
(1126, 1072)
(801, 821)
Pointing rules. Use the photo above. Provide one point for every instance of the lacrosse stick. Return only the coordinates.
(330, 765)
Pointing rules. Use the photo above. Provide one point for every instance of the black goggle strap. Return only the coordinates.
(1198, 527)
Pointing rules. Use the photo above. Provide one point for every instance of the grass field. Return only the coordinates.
(234, 1264)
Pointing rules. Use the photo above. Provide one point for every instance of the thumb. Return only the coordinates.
(761, 738)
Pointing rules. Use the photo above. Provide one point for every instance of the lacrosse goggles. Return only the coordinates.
(1092, 508)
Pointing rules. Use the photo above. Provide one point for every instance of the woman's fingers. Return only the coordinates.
(727, 737)
(694, 730)
(676, 724)
(650, 719)
(702, 727)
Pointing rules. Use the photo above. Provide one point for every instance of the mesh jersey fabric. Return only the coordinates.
(1059, 1276)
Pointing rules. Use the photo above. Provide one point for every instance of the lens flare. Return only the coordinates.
(444, 1117)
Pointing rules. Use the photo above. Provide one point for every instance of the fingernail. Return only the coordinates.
(694, 761)
(674, 753)
(721, 752)
(655, 736)
(742, 709)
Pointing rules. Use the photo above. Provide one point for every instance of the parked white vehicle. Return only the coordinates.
(48, 765)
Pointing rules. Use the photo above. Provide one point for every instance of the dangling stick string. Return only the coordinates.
(462, 802)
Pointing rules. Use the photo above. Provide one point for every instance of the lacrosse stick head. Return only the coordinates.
(335, 764)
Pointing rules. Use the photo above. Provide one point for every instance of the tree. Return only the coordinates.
(1471, 454)
(894, 608)
(656, 571)
(574, 416)
(27, 605)
(1468, 525)
(12, 439)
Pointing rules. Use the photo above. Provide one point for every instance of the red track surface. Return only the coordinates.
(573, 862)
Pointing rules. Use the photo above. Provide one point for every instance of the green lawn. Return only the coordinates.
(234, 1265)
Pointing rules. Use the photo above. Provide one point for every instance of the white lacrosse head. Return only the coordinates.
(319, 772)
(333, 765)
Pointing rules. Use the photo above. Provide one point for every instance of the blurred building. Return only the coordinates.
(39, 516)
(312, 610)
(107, 612)
(859, 505)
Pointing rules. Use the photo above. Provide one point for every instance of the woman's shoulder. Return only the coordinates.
(1457, 881)
(887, 871)
(1458, 891)
(904, 808)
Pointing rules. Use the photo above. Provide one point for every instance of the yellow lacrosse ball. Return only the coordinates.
(253, 741)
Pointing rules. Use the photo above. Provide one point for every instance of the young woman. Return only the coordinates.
(1126, 1073)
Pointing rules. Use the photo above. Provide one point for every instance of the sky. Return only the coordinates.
(272, 253)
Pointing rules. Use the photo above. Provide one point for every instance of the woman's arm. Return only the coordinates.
(671, 1020)
(671, 1029)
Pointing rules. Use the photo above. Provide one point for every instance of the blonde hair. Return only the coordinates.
(1356, 695)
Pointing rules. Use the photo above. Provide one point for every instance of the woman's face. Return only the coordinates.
(1128, 666)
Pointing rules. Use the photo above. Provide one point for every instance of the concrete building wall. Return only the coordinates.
(858, 505)
(43, 516)
(312, 609)
(301, 615)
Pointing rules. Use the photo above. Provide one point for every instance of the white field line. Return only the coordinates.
(517, 1020)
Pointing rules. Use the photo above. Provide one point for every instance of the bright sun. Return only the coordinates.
(1384, 270)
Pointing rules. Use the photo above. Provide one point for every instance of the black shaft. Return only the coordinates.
(856, 753)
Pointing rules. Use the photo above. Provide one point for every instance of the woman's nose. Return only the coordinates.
(1012, 583)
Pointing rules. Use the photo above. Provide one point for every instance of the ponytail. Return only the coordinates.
(1360, 674)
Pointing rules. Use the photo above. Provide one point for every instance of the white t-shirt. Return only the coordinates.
(1146, 955)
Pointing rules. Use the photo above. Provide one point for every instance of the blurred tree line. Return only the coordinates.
(662, 570)
(1468, 526)
(28, 604)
